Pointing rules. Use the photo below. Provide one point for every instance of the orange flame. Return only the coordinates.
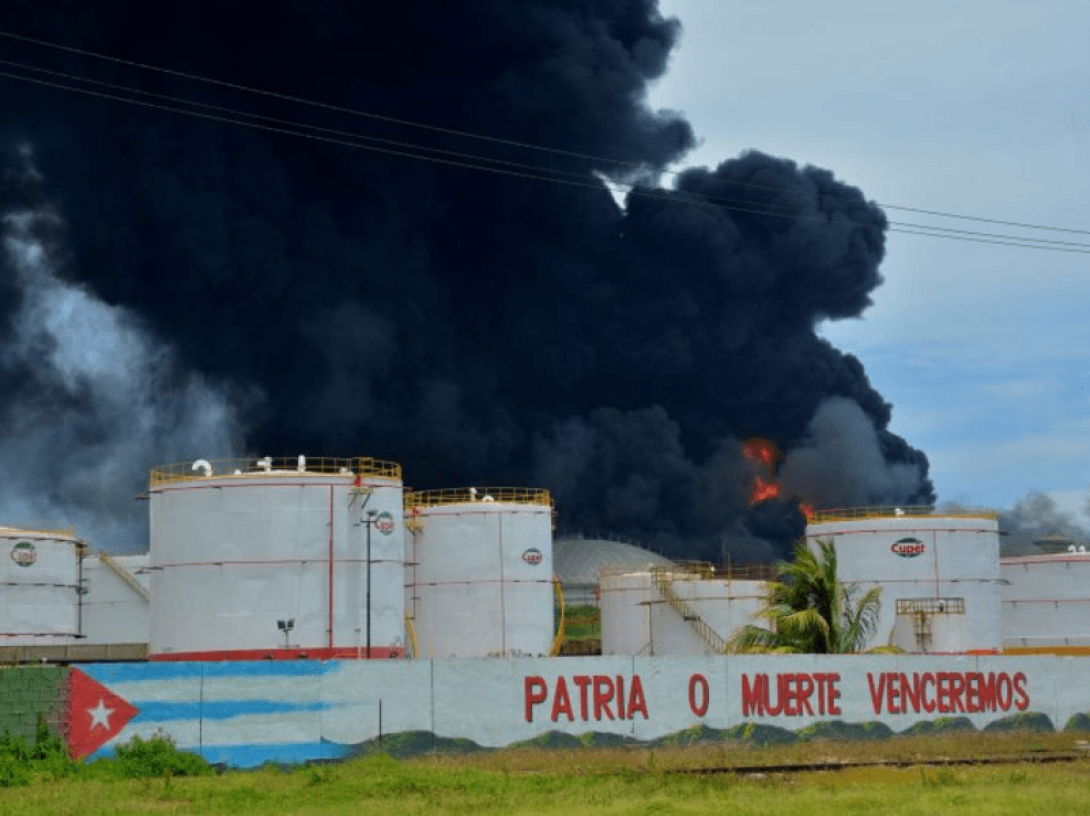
(763, 490)
(766, 488)
(762, 451)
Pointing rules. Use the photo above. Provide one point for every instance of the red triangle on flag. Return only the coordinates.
(94, 714)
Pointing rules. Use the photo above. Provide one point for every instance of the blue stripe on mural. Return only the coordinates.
(107, 673)
(151, 711)
(279, 668)
(252, 756)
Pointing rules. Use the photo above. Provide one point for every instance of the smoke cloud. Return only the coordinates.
(1035, 517)
(91, 397)
(478, 327)
(841, 459)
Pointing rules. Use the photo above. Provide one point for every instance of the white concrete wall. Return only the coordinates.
(294, 710)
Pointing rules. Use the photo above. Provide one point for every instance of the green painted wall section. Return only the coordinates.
(30, 692)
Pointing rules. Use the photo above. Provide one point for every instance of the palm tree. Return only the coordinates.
(809, 611)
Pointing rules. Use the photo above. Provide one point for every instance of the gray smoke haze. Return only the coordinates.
(1037, 516)
(840, 459)
(100, 397)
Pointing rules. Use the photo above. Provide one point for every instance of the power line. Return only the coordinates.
(485, 164)
(589, 178)
(632, 166)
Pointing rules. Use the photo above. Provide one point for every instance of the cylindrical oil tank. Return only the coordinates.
(1046, 603)
(40, 600)
(938, 572)
(674, 611)
(480, 572)
(277, 558)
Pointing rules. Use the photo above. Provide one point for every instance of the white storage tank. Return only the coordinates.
(1046, 603)
(481, 572)
(277, 558)
(42, 591)
(116, 602)
(677, 611)
(938, 572)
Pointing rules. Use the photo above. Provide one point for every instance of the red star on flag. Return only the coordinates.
(94, 714)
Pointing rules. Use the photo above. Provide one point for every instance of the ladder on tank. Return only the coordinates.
(664, 584)
(123, 574)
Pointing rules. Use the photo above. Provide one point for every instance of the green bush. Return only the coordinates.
(158, 756)
(21, 762)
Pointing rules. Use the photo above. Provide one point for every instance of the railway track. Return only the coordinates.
(1039, 757)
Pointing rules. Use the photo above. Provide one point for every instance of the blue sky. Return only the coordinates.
(979, 108)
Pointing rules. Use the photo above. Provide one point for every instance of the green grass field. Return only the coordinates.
(598, 781)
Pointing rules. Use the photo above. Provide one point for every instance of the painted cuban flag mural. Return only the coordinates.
(240, 714)
(245, 714)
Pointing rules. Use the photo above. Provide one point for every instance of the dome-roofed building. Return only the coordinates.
(579, 560)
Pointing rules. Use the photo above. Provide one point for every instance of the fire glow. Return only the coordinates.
(766, 456)
(763, 453)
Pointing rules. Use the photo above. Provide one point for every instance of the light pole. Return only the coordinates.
(286, 626)
(370, 520)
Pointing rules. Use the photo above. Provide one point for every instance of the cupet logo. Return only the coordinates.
(384, 523)
(532, 556)
(24, 554)
(908, 547)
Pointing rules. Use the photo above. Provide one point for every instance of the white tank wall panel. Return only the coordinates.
(483, 579)
(39, 588)
(636, 620)
(955, 557)
(1046, 600)
(113, 611)
(137, 567)
(232, 556)
(945, 633)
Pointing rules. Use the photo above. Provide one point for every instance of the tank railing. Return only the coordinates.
(748, 572)
(305, 466)
(663, 583)
(471, 495)
(39, 528)
(699, 571)
(855, 513)
(123, 574)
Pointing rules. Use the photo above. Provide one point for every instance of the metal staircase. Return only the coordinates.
(664, 584)
(123, 574)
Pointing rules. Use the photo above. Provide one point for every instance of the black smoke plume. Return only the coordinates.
(479, 327)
